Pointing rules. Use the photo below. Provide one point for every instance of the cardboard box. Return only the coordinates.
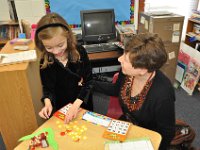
(168, 27)
(169, 68)
(123, 32)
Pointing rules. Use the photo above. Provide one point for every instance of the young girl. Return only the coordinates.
(64, 67)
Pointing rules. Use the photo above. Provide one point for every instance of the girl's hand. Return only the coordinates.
(46, 110)
(73, 111)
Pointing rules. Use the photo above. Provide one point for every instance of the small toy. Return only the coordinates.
(39, 141)
(43, 138)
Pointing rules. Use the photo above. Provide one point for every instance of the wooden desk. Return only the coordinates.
(94, 134)
(19, 99)
(104, 55)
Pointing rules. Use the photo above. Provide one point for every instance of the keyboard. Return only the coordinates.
(18, 57)
(103, 47)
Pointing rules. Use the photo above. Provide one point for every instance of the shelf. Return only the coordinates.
(8, 23)
(2, 42)
(194, 20)
(8, 30)
(192, 34)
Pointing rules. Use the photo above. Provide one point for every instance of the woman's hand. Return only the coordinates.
(73, 111)
(46, 110)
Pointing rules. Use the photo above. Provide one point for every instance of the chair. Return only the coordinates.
(114, 108)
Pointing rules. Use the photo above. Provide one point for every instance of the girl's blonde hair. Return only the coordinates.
(50, 25)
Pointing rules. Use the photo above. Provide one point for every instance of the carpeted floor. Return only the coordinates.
(188, 109)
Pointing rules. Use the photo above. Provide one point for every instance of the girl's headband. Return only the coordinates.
(51, 25)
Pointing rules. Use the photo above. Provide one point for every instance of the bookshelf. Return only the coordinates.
(192, 37)
(8, 30)
(191, 32)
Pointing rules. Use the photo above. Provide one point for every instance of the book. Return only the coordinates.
(132, 144)
(183, 57)
(180, 71)
(191, 76)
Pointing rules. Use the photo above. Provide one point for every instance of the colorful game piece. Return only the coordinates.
(62, 133)
(74, 131)
(117, 130)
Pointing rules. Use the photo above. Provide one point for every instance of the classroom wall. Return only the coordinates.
(4, 11)
(30, 10)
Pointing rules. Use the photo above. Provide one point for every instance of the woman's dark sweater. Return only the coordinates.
(157, 112)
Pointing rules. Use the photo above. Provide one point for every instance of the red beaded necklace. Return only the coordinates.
(134, 103)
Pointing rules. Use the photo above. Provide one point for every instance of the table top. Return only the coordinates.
(93, 135)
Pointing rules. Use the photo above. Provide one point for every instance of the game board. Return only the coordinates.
(117, 130)
(96, 118)
(61, 113)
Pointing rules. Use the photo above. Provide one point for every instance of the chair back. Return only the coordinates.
(114, 108)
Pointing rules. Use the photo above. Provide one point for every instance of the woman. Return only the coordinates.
(65, 69)
(146, 95)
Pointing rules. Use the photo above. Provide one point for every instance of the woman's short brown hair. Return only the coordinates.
(47, 27)
(146, 51)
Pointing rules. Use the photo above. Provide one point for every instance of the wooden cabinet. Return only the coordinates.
(8, 30)
(192, 36)
(20, 99)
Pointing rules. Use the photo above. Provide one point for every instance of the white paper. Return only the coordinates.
(175, 37)
(171, 55)
(142, 20)
(146, 25)
(176, 26)
(132, 145)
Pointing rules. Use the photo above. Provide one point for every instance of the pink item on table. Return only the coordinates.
(33, 30)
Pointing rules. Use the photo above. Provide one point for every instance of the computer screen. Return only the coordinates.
(98, 25)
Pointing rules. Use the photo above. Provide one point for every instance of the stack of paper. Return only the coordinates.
(135, 144)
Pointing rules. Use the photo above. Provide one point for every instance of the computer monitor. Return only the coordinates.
(98, 26)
